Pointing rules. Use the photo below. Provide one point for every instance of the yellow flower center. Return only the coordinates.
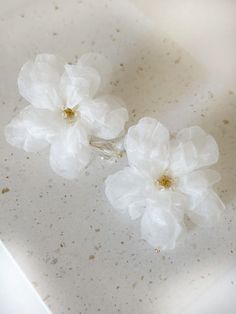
(165, 181)
(69, 114)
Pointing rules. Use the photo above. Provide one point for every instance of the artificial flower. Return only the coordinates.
(67, 109)
(167, 178)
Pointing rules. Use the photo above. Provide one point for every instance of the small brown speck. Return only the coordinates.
(134, 285)
(210, 94)
(54, 261)
(91, 257)
(140, 69)
(178, 60)
(97, 230)
(5, 190)
(226, 121)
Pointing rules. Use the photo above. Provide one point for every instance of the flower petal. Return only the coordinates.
(208, 209)
(79, 83)
(161, 225)
(33, 129)
(38, 81)
(198, 182)
(147, 146)
(128, 190)
(192, 149)
(100, 64)
(70, 152)
(106, 116)
(204, 204)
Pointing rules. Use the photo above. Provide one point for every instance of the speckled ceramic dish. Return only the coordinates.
(173, 60)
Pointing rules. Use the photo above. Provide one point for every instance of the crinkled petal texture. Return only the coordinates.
(162, 224)
(147, 146)
(39, 81)
(208, 210)
(106, 116)
(70, 152)
(198, 182)
(79, 83)
(204, 204)
(128, 190)
(52, 88)
(101, 65)
(192, 149)
(153, 156)
(33, 129)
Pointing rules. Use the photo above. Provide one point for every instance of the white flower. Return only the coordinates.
(166, 179)
(66, 110)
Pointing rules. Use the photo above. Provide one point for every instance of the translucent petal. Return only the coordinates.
(101, 64)
(198, 182)
(128, 190)
(147, 146)
(192, 149)
(70, 152)
(39, 79)
(106, 116)
(79, 83)
(161, 225)
(207, 210)
(137, 209)
(33, 129)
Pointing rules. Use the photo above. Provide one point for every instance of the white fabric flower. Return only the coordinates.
(166, 179)
(66, 110)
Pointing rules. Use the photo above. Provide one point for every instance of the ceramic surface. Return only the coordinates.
(173, 60)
